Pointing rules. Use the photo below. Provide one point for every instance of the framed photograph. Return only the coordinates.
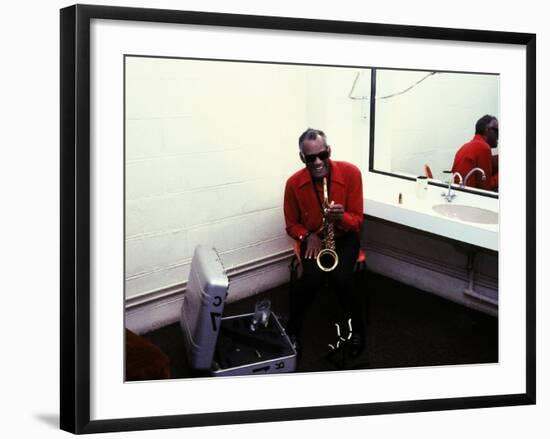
(186, 138)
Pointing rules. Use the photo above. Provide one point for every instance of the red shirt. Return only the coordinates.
(301, 206)
(476, 154)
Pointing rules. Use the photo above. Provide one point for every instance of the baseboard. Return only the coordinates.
(428, 276)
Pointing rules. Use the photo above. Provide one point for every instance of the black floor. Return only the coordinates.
(405, 327)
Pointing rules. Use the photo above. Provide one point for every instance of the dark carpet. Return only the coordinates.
(405, 327)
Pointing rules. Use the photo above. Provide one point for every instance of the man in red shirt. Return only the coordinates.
(477, 154)
(303, 210)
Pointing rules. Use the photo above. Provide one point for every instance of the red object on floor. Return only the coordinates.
(144, 360)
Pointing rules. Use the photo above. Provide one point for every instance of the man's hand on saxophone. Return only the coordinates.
(334, 212)
(314, 246)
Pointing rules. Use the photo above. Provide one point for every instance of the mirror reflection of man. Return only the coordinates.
(303, 210)
(477, 154)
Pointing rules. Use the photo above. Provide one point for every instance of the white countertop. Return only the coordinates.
(382, 201)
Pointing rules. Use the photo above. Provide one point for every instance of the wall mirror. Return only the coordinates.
(422, 118)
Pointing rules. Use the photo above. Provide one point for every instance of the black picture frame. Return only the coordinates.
(75, 212)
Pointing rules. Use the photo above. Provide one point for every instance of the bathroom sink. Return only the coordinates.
(467, 213)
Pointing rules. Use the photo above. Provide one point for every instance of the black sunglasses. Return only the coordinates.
(310, 158)
(494, 129)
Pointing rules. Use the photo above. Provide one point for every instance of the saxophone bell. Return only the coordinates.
(327, 259)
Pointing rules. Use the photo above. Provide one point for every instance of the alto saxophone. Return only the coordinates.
(327, 259)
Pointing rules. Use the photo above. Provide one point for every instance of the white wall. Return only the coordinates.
(428, 123)
(209, 146)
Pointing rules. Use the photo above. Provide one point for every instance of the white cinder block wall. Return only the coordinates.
(209, 146)
(428, 123)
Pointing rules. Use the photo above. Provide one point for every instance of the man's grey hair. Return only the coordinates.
(311, 134)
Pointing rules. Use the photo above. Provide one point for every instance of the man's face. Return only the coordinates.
(491, 132)
(316, 155)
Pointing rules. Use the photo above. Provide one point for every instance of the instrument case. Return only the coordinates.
(225, 346)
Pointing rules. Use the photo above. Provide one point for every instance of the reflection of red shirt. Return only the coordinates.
(301, 207)
(476, 154)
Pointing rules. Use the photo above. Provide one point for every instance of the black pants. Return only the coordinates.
(340, 282)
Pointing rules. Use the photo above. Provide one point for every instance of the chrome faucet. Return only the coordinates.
(449, 195)
(462, 183)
